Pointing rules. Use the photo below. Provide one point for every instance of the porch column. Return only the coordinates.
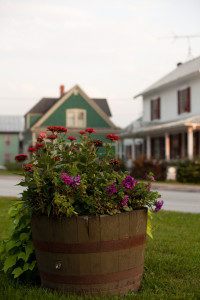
(167, 146)
(190, 142)
(133, 150)
(148, 147)
(120, 148)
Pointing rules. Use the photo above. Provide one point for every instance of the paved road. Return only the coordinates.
(184, 199)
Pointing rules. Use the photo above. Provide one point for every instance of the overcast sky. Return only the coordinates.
(110, 48)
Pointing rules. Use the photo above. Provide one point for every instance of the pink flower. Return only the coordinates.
(111, 189)
(124, 202)
(152, 178)
(41, 136)
(82, 132)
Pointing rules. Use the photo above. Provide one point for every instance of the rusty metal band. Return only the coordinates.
(92, 279)
(90, 247)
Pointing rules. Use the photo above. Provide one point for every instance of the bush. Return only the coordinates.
(188, 171)
(143, 165)
(13, 166)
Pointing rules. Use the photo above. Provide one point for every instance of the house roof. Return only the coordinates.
(11, 123)
(182, 71)
(46, 103)
(147, 128)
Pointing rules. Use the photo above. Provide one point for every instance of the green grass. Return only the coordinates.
(172, 262)
(6, 172)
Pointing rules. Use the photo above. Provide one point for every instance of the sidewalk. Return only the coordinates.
(176, 187)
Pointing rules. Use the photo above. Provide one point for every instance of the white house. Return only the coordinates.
(170, 125)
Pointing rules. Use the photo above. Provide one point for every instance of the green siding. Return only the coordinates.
(58, 118)
(33, 119)
(13, 149)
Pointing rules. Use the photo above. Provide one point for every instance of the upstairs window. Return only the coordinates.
(76, 118)
(155, 109)
(184, 101)
(7, 140)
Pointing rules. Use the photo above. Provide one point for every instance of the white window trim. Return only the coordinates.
(76, 111)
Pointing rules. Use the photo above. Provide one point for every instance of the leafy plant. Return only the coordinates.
(67, 180)
(17, 252)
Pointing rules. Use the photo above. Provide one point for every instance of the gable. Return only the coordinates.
(58, 117)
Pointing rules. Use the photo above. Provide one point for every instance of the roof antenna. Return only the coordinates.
(188, 37)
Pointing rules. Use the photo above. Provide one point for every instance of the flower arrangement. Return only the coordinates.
(67, 178)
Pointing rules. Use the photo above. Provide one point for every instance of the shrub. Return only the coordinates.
(143, 166)
(13, 166)
(188, 171)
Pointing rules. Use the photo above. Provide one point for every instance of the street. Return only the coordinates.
(181, 200)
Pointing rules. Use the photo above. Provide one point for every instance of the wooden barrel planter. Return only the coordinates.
(95, 255)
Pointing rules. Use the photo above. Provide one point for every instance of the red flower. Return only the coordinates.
(28, 167)
(52, 137)
(114, 162)
(40, 145)
(112, 137)
(75, 148)
(97, 143)
(21, 157)
(82, 132)
(32, 149)
(56, 158)
(71, 138)
(90, 130)
(57, 129)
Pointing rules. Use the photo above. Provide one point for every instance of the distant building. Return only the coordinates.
(11, 128)
(170, 125)
(73, 109)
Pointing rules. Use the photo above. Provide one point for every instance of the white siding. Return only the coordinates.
(169, 102)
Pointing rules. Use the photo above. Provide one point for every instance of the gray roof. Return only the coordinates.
(182, 71)
(46, 103)
(11, 123)
(103, 104)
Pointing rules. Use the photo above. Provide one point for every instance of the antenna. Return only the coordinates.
(188, 37)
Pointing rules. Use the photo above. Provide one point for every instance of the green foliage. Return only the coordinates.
(188, 171)
(75, 180)
(143, 165)
(17, 252)
(13, 166)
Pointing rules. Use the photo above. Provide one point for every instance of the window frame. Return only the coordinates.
(7, 137)
(76, 111)
(182, 95)
(155, 102)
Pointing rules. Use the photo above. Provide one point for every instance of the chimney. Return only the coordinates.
(62, 90)
(179, 64)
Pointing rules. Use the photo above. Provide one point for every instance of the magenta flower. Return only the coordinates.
(66, 178)
(159, 205)
(124, 202)
(152, 178)
(128, 183)
(75, 181)
(111, 189)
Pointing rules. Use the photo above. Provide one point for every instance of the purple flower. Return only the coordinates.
(66, 178)
(124, 202)
(75, 181)
(111, 189)
(128, 183)
(159, 205)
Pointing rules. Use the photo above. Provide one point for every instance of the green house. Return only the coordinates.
(11, 128)
(75, 110)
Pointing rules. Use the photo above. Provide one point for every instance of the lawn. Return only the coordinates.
(172, 262)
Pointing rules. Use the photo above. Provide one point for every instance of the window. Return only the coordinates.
(7, 139)
(7, 157)
(184, 101)
(76, 118)
(155, 109)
